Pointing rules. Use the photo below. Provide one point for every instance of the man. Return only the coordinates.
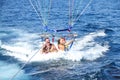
(48, 47)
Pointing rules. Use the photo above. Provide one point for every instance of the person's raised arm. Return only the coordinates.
(68, 43)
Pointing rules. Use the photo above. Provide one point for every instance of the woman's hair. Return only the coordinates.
(60, 39)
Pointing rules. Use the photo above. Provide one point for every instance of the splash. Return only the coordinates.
(0, 43)
(84, 48)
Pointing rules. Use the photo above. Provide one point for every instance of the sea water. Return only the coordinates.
(93, 56)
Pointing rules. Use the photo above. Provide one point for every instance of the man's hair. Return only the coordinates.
(46, 38)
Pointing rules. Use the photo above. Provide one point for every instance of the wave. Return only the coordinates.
(83, 48)
(7, 71)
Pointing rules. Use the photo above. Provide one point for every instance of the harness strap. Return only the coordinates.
(57, 30)
(72, 44)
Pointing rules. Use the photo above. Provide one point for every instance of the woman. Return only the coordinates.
(62, 44)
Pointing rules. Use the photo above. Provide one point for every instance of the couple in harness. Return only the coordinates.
(48, 47)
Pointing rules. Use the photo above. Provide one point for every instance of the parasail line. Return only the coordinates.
(82, 11)
(39, 15)
(23, 65)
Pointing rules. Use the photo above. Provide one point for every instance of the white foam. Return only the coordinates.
(85, 47)
(0, 43)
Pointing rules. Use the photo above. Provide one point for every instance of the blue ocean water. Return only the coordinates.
(95, 52)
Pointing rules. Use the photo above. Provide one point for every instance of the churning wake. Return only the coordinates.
(86, 47)
(7, 71)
